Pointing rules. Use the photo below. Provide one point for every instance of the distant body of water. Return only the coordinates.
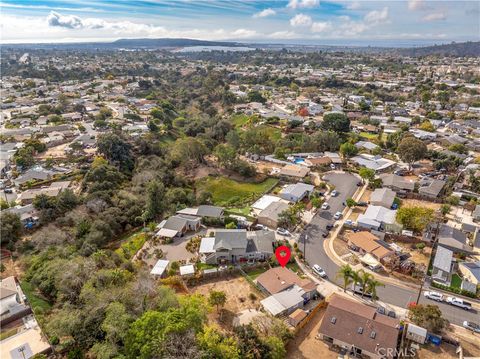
(214, 48)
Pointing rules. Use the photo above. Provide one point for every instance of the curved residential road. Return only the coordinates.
(346, 186)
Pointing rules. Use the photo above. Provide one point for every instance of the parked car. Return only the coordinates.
(332, 166)
(329, 226)
(381, 310)
(283, 232)
(8, 190)
(260, 227)
(358, 289)
(334, 193)
(458, 302)
(362, 204)
(319, 271)
(359, 184)
(325, 234)
(474, 327)
(325, 205)
(392, 314)
(438, 297)
(337, 215)
(349, 223)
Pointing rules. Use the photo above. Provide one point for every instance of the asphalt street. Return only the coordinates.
(346, 185)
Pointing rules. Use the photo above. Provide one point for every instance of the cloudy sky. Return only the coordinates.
(297, 21)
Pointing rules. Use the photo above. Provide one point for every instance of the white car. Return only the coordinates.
(337, 215)
(319, 271)
(325, 205)
(474, 327)
(283, 232)
(438, 297)
(334, 193)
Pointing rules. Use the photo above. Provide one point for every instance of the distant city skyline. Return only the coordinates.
(293, 21)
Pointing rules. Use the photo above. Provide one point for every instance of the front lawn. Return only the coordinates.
(227, 192)
(255, 273)
(456, 281)
(132, 245)
(368, 136)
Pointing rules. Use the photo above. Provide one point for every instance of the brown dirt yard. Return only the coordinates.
(238, 292)
(420, 203)
(306, 346)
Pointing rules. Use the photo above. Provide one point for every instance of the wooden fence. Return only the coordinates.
(310, 315)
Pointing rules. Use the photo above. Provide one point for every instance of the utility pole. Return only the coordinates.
(305, 245)
(424, 276)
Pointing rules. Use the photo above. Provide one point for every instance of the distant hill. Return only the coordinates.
(454, 49)
(167, 42)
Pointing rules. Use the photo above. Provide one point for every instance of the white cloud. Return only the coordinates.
(283, 35)
(265, 13)
(301, 20)
(243, 34)
(415, 4)
(67, 21)
(321, 26)
(376, 17)
(355, 5)
(296, 4)
(435, 17)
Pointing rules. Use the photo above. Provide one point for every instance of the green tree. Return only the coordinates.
(217, 299)
(255, 96)
(10, 228)
(428, 317)
(351, 202)
(117, 151)
(155, 199)
(415, 218)
(346, 273)
(116, 323)
(216, 345)
(188, 151)
(366, 174)
(348, 150)
(427, 126)
(411, 150)
(336, 122)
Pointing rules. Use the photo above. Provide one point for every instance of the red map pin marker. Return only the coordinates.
(283, 255)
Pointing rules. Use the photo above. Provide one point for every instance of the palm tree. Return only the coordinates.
(346, 273)
(364, 278)
(372, 285)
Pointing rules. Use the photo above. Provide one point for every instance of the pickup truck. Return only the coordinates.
(457, 302)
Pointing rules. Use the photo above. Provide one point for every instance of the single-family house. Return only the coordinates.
(359, 329)
(366, 242)
(470, 271)
(296, 192)
(377, 217)
(263, 202)
(294, 171)
(202, 211)
(237, 245)
(382, 197)
(476, 213)
(9, 298)
(376, 163)
(442, 266)
(34, 174)
(453, 239)
(397, 183)
(287, 290)
(366, 145)
(270, 215)
(178, 225)
(27, 197)
(431, 188)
